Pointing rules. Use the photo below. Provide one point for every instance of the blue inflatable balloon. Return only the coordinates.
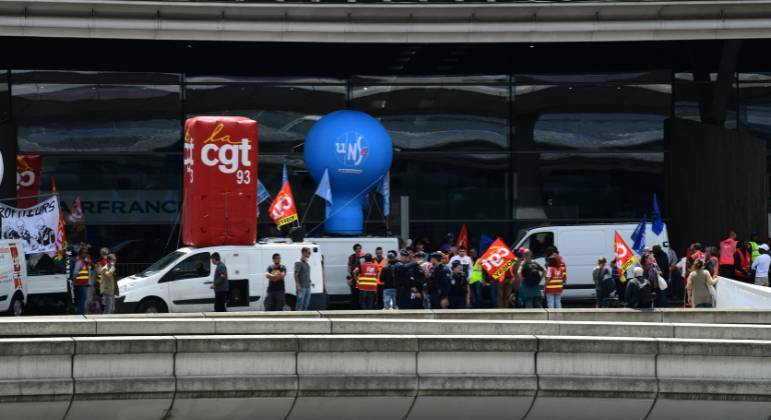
(357, 152)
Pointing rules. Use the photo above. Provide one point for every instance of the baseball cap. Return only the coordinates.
(764, 247)
(455, 263)
(437, 255)
(404, 253)
(391, 255)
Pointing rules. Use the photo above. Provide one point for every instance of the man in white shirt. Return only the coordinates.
(465, 261)
(760, 265)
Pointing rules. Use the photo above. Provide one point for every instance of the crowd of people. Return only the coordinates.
(453, 278)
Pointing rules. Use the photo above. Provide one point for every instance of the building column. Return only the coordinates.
(717, 183)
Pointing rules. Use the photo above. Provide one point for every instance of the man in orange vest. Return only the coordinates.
(367, 282)
(727, 252)
(81, 279)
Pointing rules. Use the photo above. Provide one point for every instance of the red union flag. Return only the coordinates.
(283, 210)
(498, 259)
(27, 180)
(624, 256)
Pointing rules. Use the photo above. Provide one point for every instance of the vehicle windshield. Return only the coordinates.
(161, 264)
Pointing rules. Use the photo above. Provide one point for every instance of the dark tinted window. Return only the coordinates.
(194, 266)
(461, 117)
(284, 113)
(56, 117)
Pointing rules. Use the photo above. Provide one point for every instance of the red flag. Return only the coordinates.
(27, 180)
(498, 259)
(462, 242)
(76, 216)
(61, 235)
(283, 210)
(624, 256)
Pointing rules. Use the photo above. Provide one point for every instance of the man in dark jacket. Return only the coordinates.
(354, 261)
(407, 287)
(442, 277)
(388, 280)
(220, 286)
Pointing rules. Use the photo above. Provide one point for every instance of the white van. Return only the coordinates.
(580, 246)
(20, 288)
(336, 251)
(181, 281)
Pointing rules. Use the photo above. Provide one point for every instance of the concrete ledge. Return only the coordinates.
(723, 331)
(493, 314)
(47, 327)
(258, 325)
(444, 327)
(485, 343)
(357, 343)
(253, 314)
(154, 326)
(604, 315)
(236, 343)
(616, 329)
(400, 314)
(597, 345)
(716, 316)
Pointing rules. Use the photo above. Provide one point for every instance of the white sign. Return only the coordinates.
(35, 226)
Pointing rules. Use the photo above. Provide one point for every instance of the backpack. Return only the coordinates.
(645, 294)
(531, 274)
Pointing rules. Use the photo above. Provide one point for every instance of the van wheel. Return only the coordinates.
(17, 306)
(290, 302)
(152, 306)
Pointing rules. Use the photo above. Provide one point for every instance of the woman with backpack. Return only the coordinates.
(698, 286)
(639, 291)
(531, 274)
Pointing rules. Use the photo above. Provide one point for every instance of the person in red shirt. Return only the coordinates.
(727, 252)
(743, 262)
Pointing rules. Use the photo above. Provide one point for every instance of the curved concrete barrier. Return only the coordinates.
(386, 377)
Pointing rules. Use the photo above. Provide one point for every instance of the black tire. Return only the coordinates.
(152, 306)
(17, 305)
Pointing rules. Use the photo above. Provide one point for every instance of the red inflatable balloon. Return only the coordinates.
(220, 181)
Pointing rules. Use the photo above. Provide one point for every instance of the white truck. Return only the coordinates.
(181, 281)
(580, 246)
(23, 285)
(336, 251)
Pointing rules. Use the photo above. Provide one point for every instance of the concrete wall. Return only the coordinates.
(384, 377)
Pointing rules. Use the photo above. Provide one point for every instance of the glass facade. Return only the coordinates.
(497, 152)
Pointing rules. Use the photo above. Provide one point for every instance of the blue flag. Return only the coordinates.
(657, 224)
(638, 236)
(284, 175)
(484, 243)
(324, 190)
(262, 193)
(384, 189)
